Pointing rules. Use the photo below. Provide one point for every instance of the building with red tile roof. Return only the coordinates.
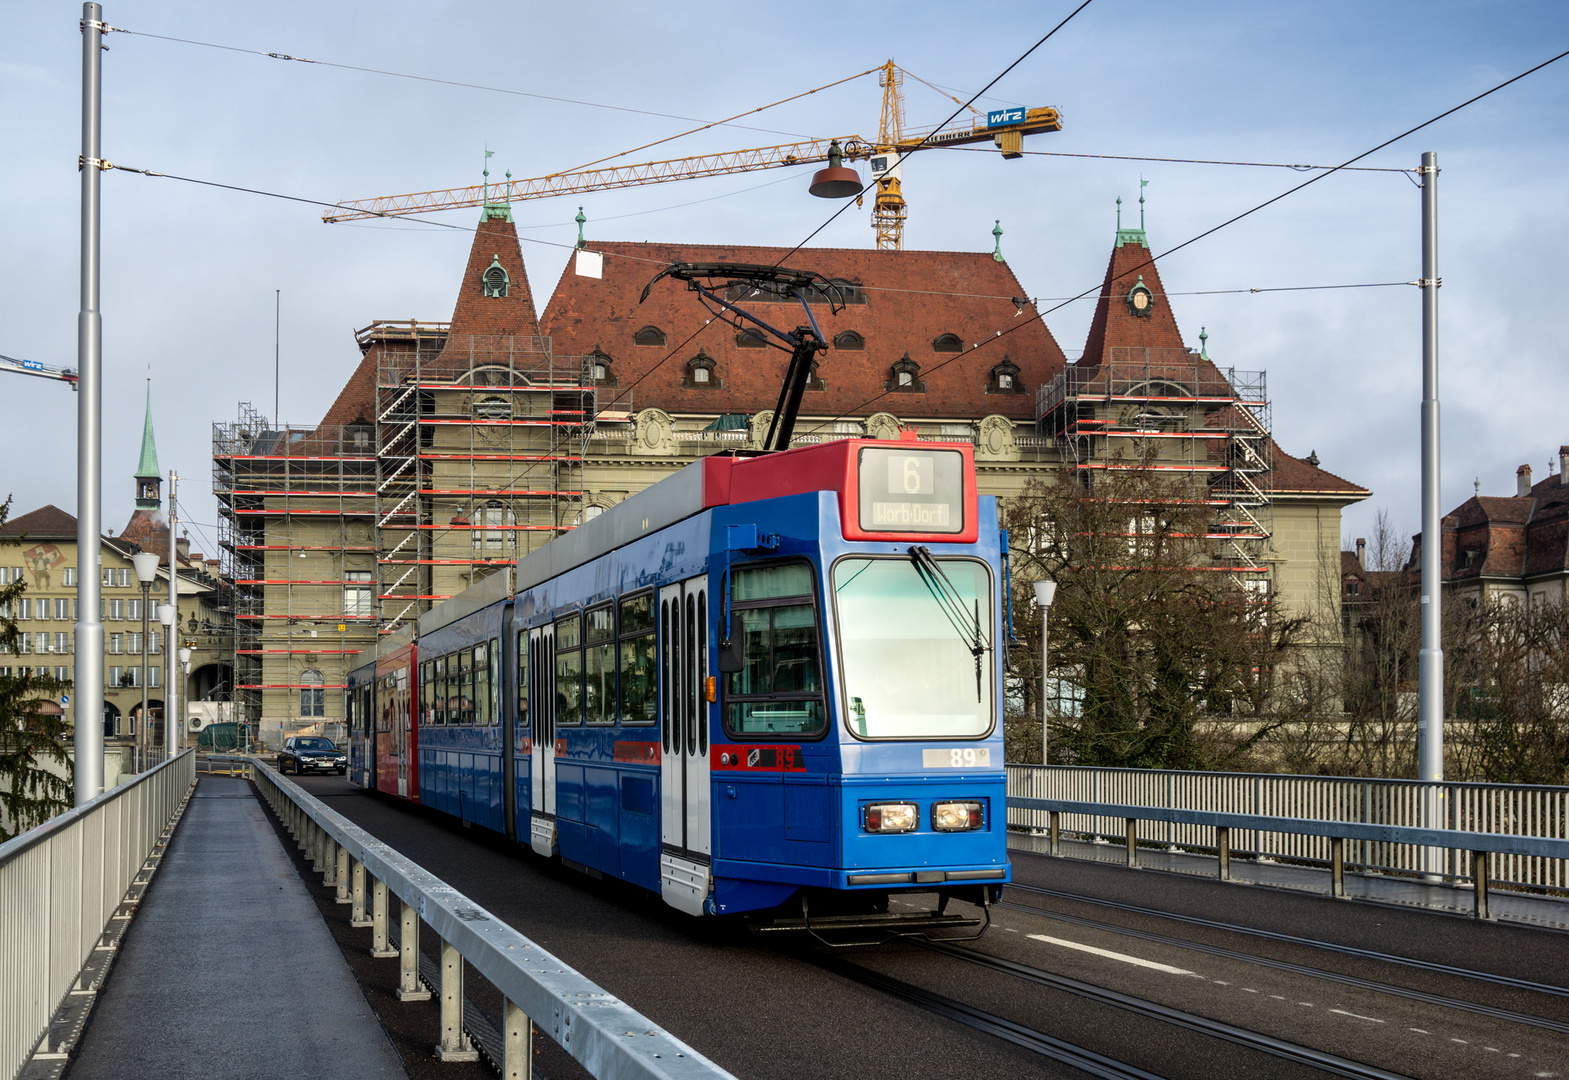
(454, 448)
(1509, 549)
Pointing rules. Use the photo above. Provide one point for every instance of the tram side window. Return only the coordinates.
(465, 694)
(638, 701)
(599, 666)
(481, 714)
(779, 689)
(569, 671)
(438, 690)
(523, 686)
(494, 672)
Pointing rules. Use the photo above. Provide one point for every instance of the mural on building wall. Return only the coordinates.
(41, 560)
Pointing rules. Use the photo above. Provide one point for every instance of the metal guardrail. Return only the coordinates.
(1492, 809)
(608, 1037)
(60, 885)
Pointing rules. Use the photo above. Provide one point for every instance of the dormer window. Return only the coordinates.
(850, 340)
(495, 278)
(597, 368)
(650, 335)
(948, 343)
(750, 339)
(700, 372)
(1005, 378)
(905, 377)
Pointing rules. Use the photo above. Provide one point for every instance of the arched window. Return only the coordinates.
(750, 339)
(701, 372)
(491, 533)
(1005, 378)
(905, 377)
(313, 698)
(495, 279)
(650, 335)
(948, 343)
(598, 369)
(849, 340)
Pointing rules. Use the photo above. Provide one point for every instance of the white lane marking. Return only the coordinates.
(1419, 1031)
(1462, 1042)
(1249, 990)
(1491, 1049)
(1221, 982)
(1277, 997)
(1356, 1016)
(1306, 1004)
(1010, 929)
(1124, 957)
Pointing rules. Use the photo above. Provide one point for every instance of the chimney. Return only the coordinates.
(1563, 465)
(1523, 481)
(183, 546)
(1362, 553)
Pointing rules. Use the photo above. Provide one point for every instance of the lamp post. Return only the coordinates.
(1045, 593)
(171, 711)
(185, 671)
(146, 563)
(171, 697)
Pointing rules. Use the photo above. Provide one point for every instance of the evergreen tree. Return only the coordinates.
(30, 792)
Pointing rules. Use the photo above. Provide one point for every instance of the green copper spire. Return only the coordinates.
(496, 211)
(997, 232)
(148, 479)
(581, 221)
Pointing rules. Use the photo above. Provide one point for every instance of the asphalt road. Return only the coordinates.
(762, 1008)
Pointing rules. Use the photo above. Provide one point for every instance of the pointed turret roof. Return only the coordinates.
(1118, 322)
(506, 305)
(147, 467)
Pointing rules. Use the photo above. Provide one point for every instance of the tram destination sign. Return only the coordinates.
(907, 490)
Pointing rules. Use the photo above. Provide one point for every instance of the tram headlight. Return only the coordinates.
(890, 817)
(958, 816)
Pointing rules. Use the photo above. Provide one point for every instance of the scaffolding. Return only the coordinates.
(1174, 411)
(481, 440)
(296, 507)
(467, 456)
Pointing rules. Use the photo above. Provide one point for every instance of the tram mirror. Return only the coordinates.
(730, 658)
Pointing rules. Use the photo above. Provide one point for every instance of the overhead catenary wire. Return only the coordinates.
(999, 334)
(445, 82)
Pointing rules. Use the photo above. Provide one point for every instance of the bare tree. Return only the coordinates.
(1156, 647)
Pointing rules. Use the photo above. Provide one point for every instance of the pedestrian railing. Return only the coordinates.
(60, 886)
(608, 1037)
(1510, 835)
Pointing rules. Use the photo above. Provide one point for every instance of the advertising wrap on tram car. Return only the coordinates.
(396, 720)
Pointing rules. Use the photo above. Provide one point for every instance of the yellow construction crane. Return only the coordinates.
(1005, 128)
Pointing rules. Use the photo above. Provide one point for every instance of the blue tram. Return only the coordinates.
(759, 682)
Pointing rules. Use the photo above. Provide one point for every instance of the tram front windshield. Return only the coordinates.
(909, 643)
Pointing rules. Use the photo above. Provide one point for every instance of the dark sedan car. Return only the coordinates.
(310, 753)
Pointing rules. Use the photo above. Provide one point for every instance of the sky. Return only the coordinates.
(192, 273)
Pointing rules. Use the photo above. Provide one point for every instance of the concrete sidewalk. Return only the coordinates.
(228, 969)
(1505, 906)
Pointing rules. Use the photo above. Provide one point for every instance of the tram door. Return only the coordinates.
(686, 844)
(506, 714)
(542, 758)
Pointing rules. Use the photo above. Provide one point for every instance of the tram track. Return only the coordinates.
(1490, 1011)
(1290, 939)
(1253, 1040)
(1048, 1046)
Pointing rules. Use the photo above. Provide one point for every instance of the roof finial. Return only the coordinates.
(1204, 342)
(580, 219)
(1143, 183)
(485, 183)
(1119, 213)
(997, 232)
(495, 211)
(1312, 458)
(1477, 484)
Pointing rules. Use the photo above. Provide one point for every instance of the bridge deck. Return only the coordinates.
(1517, 907)
(228, 970)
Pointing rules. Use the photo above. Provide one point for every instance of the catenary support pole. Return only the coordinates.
(1430, 669)
(145, 735)
(89, 683)
(171, 712)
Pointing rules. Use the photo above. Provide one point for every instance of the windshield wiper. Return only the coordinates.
(951, 601)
